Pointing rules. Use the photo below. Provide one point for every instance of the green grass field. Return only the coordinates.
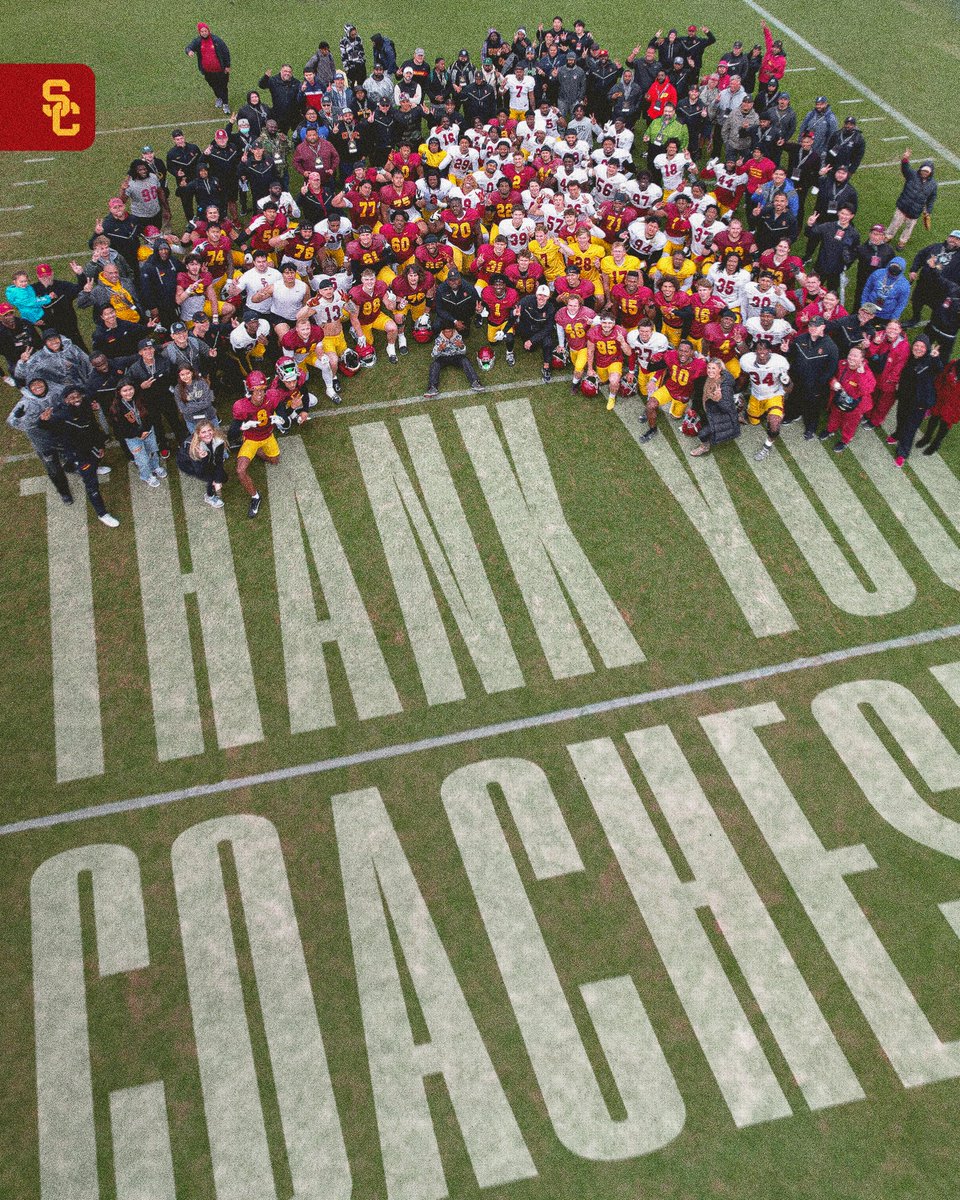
(611, 851)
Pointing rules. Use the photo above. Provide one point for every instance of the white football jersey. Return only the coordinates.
(766, 379)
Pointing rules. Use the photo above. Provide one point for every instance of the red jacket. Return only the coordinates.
(947, 407)
(659, 95)
(774, 61)
(896, 360)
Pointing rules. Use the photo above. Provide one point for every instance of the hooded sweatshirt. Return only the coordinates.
(889, 289)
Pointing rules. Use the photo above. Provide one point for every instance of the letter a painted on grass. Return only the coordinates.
(377, 880)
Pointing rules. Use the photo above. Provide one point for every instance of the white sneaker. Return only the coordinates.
(762, 453)
(112, 522)
(511, 358)
(9, 381)
(219, 103)
(103, 471)
(160, 472)
(214, 501)
(153, 481)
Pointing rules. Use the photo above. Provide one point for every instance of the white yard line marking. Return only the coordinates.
(483, 732)
(855, 100)
(341, 410)
(17, 233)
(869, 93)
(948, 182)
(900, 137)
(894, 162)
(33, 160)
(864, 120)
(165, 125)
(17, 208)
(15, 458)
(795, 70)
(28, 182)
(18, 262)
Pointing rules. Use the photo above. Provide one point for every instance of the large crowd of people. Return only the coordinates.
(664, 227)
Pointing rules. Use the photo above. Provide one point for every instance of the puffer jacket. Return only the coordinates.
(918, 194)
(720, 420)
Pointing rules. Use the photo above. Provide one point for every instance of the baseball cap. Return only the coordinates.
(325, 281)
(146, 149)
(878, 229)
(146, 344)
(691, 29)
(783, 95)
(817, 319)
(453, 273)
(176, 133)
(44, 269)
(821, 100)
(178, 327)
(850, 121)
(543, 290)
(221, 133)
(738, 45)
(870, 308)
(955, 233)
(5, 308)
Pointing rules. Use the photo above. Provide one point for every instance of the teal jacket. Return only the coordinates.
(28, 304)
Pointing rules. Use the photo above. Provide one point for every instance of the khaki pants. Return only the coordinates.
(908, 223)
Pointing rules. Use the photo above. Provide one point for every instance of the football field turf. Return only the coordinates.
(511, 810)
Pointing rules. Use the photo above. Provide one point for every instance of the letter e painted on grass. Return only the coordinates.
(377, 877)
(817, 875)
(65, 1112)
(655, 1110)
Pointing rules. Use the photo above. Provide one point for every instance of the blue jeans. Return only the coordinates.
(145, 454)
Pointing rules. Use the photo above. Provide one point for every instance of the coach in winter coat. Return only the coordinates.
(888, 288)
(720, 421)
(916, 198)
(822, 123)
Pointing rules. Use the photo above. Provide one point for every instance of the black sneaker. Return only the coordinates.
(791, 421)
(67, 499)
(809, 435)
(649, 435)
(403, 347)
(825, 436)
(254, 507)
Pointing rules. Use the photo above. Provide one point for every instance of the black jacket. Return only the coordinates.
(535, 322)
(158, 284)
(459, 305)
(479, 100)
(182, 162)
(835, 253)
(76, 427)
(720, 418)
(285, 94)
(832, 195)
(845, 148)
(813, 363)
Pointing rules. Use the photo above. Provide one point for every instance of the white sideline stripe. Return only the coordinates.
(18, 233)
(17, 208)
(864, 120)
(339, 410)
(794, 70)
(900, 137)
(948, 183)
(482, 732)
(18, 262)
(33, 160)
(165, 125)
(894, 162)
(27, 182)
(845, 75)
(856, 100)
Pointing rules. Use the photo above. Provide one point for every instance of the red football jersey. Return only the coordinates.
(525, 285)
(606, 348)
(368, 306)
(244, 409)
(498, 309)
(576, 328)
(677, 378)
(630, 307)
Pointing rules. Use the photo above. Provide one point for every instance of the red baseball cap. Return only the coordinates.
(5, 308)
(44, 269)
(691, 29)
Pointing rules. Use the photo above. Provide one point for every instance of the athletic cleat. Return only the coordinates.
(334, 397)
(546, 375)
(430, 393)
(254, 506)
(649, 435)
(478, 387)
(109, 521)
(791, 420)
(574, 385)
(610, 403)
(762, 453)
(403, 347)
(511, 358)
(809, 435)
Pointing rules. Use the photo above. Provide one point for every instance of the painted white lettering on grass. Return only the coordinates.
(77, 725)
(65, 1118)
(817, 875)
(142, 1162)
(699, 489)
(376, 875)
(239, 1149)
(578, 1111)
(803, 1035)
(840, 712)
(924, 527)
(669, 906)
(892, 588)
(407, 531)
(297, 506)
(547, 560)
(163, 588)
(944, 487)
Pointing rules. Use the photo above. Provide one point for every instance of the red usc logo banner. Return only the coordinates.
(49, 106)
